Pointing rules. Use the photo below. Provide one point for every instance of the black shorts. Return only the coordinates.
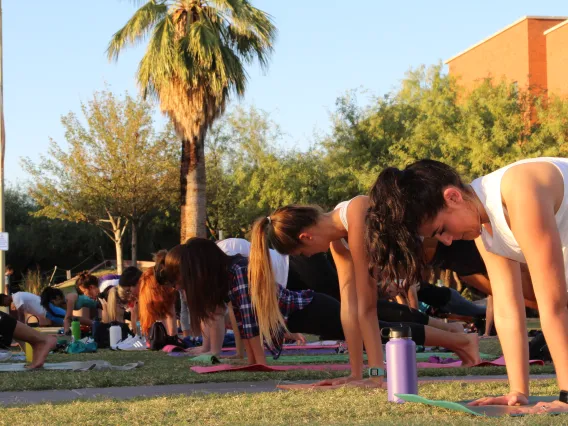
(7, 327)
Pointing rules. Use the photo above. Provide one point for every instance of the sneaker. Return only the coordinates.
(5, 355)
(136, 345)
(127, 342)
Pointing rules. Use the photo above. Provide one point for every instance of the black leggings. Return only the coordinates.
(7, 327)
(322, 317)
(316, 273)
(313, 273)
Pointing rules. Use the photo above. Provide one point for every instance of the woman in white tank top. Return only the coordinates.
(307, 230)
(518, 214)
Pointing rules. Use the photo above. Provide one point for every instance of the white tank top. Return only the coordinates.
(280, 262)
(503, 242)
(342, 207)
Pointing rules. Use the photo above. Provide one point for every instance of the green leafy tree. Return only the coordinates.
(195, 60)
(116, 170)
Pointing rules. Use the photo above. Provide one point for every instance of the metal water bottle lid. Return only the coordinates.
(400, 333)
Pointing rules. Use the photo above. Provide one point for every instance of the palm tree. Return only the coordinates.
(195, 60)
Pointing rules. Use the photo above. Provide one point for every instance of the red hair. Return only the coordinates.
(155, 301)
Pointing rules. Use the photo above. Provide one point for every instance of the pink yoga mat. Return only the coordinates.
(295, 347)
(333, 367)
(499, 362)
(268, 368)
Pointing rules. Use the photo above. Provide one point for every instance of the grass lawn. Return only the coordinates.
(160, 369)
(337, 407)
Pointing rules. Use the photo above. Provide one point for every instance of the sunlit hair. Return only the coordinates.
(84, 281)
(114, 305)
(201, 268)
(400, 201)
(155, 301)
(281, 231)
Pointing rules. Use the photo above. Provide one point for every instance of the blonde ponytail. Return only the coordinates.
(113, 306)
(262, 285)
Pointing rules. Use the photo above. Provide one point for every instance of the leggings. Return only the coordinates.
(7, 328)
(322, 317)
(313, 273)
(316, 273)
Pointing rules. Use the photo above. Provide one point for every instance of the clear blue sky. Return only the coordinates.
(54, 57)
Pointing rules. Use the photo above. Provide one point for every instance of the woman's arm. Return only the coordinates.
(238, 341)
(70, 299)
(533, 222)
(413, 297)
(171, 321)
(255, 351)
(365, 285)
(216, 328)
(510, 318)
(134, 319)
(349, 308)
(489, 318)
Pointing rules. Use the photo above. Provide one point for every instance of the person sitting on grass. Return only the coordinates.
(87, 287)
(41, 343)
(114, 307)
(517, 214)
(211, 279)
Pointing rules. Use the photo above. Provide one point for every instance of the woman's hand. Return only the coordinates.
(298, 337)
(341, 381)
(513, 398)
(370, 383)
(544, 408)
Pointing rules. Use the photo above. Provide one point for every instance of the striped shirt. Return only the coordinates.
(239, 295)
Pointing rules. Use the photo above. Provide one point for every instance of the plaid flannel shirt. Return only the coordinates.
(239, 295)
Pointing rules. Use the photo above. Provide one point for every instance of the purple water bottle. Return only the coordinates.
(402, 375)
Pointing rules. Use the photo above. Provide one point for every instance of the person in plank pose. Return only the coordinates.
(517, 214)
(307, 230)
(211, 278)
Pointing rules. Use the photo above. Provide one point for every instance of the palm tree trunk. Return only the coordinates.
(134, 244)
(193, 196)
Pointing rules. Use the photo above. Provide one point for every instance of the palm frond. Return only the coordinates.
(137, 28)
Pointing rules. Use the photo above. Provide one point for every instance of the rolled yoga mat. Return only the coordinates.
(487, 410)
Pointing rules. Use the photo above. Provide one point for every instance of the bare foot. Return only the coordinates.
(469, 353)
(455, 327)
(41, 350)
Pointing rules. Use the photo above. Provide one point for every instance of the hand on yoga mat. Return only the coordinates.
(544, 408)
(510, 399)
(298, 337)
(337, 382)
(368, 384)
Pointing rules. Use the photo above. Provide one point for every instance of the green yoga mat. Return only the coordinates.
(206, 359)
(488, 410)
(319, 359)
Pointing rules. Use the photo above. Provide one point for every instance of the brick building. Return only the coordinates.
(532, 52)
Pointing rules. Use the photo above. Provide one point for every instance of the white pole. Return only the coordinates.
(2, 151)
